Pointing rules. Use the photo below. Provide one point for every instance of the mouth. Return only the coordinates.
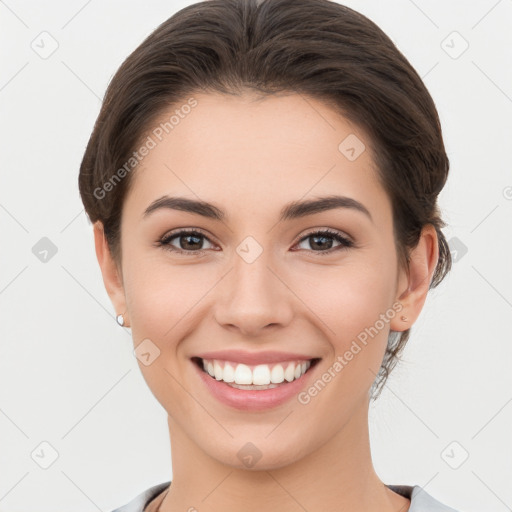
(255, 377)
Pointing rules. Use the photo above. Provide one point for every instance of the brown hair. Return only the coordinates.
(314, 47)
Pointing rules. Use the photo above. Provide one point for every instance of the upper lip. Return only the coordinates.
(253, 358)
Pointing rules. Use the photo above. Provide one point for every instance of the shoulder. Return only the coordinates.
(421, 500)
(138, 503)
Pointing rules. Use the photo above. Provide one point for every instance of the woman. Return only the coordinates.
(263, 181)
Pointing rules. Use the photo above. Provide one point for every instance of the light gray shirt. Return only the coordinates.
(421, 501)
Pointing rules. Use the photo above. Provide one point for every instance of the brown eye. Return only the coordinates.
(191, 242)
(188, 241)
(323, 240)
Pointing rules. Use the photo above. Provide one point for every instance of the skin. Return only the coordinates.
(251, 156)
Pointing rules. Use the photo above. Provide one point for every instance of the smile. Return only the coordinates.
(254, 387)
(261, 376)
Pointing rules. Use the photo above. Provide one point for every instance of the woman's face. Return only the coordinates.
(254, 283)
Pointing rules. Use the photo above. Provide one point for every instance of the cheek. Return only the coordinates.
(350, 297)
(161, 301)
(160, 295)
(354, 305)
(349, 303)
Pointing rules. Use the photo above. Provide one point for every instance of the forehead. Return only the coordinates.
(230, 149)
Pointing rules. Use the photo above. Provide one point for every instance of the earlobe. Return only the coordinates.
(112, 278)
(422, 264)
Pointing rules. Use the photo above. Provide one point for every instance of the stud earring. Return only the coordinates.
(120, 320)
(404, 319)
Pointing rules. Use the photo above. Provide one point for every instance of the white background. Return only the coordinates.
(67, 372)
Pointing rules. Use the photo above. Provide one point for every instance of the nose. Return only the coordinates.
(253, 298)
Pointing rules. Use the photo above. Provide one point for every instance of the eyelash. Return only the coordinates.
(328, 233)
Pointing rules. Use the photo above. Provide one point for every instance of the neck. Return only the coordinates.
(338, 476)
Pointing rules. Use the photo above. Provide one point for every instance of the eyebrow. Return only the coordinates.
(293, 210)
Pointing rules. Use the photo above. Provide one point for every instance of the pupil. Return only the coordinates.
(187, 237)
(322, 246)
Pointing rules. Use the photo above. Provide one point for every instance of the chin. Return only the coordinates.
(256, 455)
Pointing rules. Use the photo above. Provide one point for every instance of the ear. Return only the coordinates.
(112, 277)
(413, 285)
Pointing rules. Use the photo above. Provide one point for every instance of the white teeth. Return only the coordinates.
(259, 375)
(289, 373)
(277, 374)
(217, 369)
(243, 374)
(252, 386)
(228, 374)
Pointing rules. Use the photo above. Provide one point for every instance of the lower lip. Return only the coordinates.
(250, 399)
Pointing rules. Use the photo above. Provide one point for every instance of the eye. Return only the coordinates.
(323, 239)
(188, 240)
